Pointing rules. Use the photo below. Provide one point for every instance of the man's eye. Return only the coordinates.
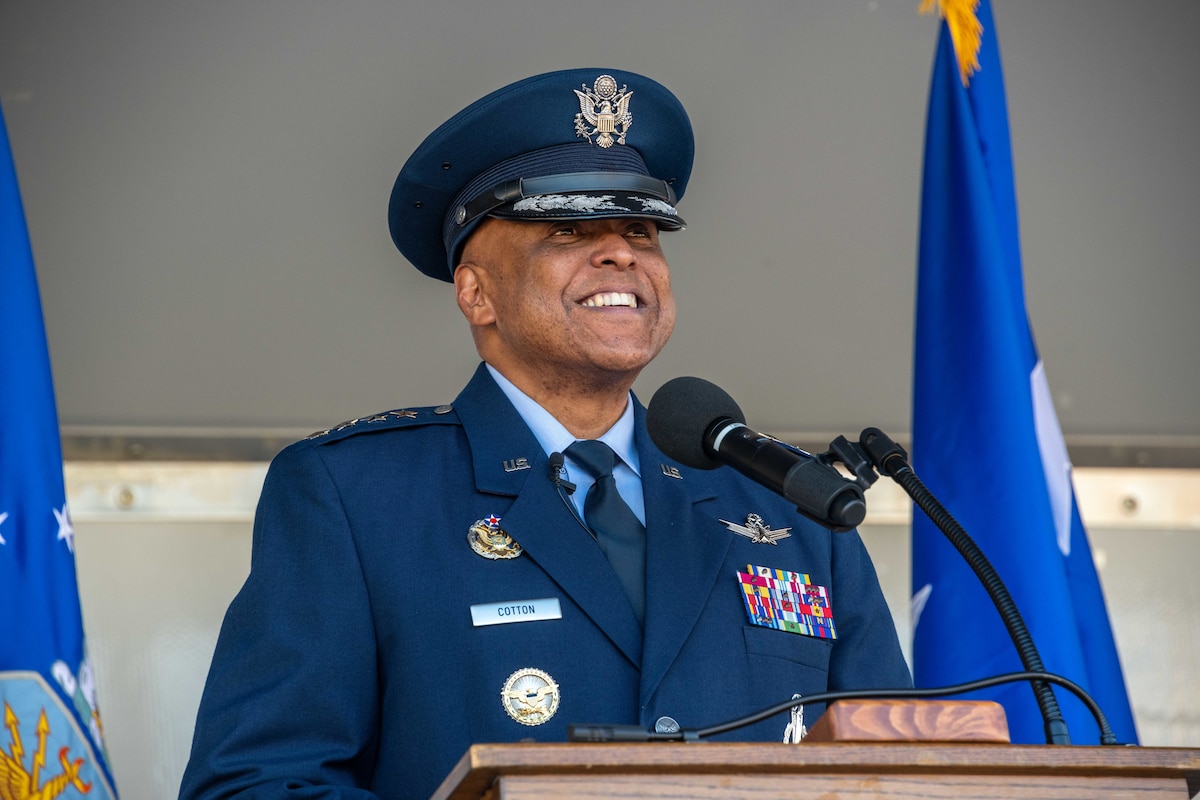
(564, 230)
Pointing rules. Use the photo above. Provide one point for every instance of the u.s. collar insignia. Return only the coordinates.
(530, 696)
(603, 111)
(757, 531)
(488, 540)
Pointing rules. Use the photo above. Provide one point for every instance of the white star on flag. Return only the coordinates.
(3, 516)
(65, 531)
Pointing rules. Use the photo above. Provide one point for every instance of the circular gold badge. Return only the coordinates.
(530, 696)
(490, 541)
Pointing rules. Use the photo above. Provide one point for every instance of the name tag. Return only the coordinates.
(515, 611)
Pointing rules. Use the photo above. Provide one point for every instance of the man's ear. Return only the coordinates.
(470, 291)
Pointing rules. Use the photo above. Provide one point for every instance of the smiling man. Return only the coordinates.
(498, 567)
(570, 311)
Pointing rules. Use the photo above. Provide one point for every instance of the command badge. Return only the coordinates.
(603, 111)
(488, 540)
(530, 696)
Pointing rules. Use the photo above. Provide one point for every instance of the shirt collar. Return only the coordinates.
(554, 438)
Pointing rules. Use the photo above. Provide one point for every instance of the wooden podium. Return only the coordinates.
(845, 762)
(827, 771)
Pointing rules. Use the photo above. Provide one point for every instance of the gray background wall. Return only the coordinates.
(206, 186)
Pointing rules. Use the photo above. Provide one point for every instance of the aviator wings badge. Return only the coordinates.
(603, 111)
(757, 531)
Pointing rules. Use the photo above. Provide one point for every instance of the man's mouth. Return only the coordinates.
(610, 299)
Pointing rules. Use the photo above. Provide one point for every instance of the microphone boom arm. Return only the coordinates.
(892, 460)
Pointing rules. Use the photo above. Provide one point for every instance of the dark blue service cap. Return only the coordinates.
(597, 143)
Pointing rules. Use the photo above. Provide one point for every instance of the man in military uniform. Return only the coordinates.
(485, 571)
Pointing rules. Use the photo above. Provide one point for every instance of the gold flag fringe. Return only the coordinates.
(965, 29)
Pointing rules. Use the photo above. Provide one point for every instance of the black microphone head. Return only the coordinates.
(680, 414)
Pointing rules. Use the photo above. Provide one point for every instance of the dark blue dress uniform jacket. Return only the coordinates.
(348, 665)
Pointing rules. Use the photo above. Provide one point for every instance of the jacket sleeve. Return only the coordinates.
(868, 654)
(291, 702)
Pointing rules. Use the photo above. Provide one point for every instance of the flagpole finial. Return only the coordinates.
(965, 29)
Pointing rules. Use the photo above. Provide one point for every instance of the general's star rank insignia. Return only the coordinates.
(490, 541)
(757, 531)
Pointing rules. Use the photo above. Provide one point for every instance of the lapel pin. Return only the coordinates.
(490, 541)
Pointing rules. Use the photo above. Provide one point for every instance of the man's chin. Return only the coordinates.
(624, 364)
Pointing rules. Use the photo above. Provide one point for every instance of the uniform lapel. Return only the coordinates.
(508, 460)
(685, 551)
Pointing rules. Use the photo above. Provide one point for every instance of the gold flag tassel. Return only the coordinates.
(965, 29)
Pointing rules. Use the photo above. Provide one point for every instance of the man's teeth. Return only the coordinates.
(612, 299)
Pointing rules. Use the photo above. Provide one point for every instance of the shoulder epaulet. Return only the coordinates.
(387, 420)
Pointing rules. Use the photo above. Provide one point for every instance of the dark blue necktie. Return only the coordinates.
(617, 529)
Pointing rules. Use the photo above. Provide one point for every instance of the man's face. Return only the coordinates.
(581, 300)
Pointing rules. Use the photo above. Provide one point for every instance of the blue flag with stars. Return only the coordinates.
(986, 440)
(50, 735)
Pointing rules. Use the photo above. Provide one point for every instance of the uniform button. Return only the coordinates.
(666, 725)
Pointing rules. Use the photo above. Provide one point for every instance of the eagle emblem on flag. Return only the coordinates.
(21, 782)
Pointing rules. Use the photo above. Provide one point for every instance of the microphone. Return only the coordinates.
(556, 471)
(696, 423)
(565, 488)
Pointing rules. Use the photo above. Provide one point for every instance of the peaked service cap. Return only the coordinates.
(596, 143)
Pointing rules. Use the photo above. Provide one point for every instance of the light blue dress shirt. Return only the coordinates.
(554, 438)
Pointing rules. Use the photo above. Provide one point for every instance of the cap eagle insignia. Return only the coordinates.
(603, 111)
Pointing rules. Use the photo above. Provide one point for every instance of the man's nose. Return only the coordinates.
(613, 251)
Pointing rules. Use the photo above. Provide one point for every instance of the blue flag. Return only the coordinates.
(986, 440)
(50, 734)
